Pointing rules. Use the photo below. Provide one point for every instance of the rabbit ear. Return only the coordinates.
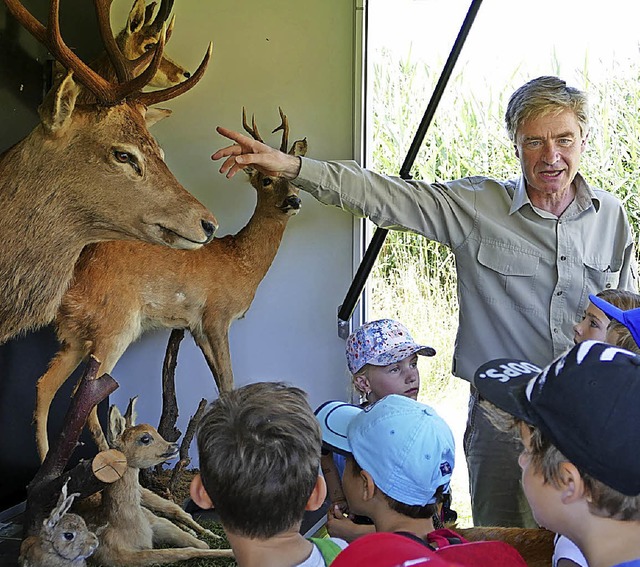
(62, 507)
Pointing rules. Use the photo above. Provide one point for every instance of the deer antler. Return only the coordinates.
(105, 92)
(162, 16)
(163, 95)
(284, 126)
(253, 130)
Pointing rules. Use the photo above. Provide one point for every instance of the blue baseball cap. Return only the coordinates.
(585, 402)
(629, 318)
(405, 445)
(381, 343)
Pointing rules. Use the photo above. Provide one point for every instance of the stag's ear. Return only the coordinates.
(154, 115)
(116, 427)
(299, 148)
(57, 107)
(136, 16)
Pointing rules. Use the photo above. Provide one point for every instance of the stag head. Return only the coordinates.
(88, 172)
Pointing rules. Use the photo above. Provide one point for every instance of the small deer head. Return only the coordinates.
(278, 191)
(142, 444)
(67, 533)
(142, 34)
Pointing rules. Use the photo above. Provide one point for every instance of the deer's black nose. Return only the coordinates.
(209, 228)
(293, 201)
(187, 74)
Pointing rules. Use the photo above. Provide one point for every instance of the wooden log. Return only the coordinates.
(43, 490)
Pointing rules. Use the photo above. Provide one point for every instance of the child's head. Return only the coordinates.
(578, 423)
(593, 326)
(382, 358)
(400, 447)
(259, 449)
(624, 326)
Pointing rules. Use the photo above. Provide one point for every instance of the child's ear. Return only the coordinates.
(362, 383)
(572, 486)
(368, 486)
(199, 494)
(318, 495)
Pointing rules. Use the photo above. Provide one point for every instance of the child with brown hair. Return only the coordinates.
(259, 449)
(577, 420)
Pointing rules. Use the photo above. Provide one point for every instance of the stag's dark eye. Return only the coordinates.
(267, 181)
(126, 157)
(69, 536)
(146, 439)
(149, 46)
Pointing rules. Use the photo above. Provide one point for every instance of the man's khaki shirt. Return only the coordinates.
(524, 275)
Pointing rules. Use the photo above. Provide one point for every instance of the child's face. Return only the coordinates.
(400, 378)
(540, 494)
(592, 327)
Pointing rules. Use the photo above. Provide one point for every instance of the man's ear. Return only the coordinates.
(318, 495)
(199, 494)
(583, 143)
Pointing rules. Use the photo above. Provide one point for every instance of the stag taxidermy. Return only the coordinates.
(120, 290)
(131, 528)
(85, 174)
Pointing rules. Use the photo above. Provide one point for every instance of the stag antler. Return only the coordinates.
(284, 126)
(105, 92)
(253, 129)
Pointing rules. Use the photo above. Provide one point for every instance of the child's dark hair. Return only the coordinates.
(259, 449)
(411, 511)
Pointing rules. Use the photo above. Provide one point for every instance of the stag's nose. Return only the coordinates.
(209, 228)
(293, 201)
(186, 74)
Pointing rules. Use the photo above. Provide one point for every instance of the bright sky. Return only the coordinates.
(508, 34)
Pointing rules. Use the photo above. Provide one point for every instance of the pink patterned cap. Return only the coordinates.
(381, 343)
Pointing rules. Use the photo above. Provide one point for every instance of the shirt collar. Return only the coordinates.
(585, 197)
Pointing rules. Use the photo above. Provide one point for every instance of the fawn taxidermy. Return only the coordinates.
(132, 529)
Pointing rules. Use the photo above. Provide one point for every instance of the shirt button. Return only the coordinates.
(558, 293)
(608, 286)
(563, 258)
(555, 330)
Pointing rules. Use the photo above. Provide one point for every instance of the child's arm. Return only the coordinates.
(334, 482)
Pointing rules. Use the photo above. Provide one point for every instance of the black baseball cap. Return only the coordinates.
(587, 403)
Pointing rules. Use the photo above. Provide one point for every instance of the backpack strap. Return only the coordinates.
(327, 547)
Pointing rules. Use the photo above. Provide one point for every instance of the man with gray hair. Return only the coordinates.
(528, 253)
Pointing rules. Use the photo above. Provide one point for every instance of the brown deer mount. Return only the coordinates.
(87, 173)
(122, 289)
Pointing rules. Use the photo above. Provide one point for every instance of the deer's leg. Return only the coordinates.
(214, 344)
(142, 558)
(166, 533)
(171, 510)
(60, 368)
(109, 346)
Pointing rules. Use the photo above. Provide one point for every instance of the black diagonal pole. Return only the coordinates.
(369, 258)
